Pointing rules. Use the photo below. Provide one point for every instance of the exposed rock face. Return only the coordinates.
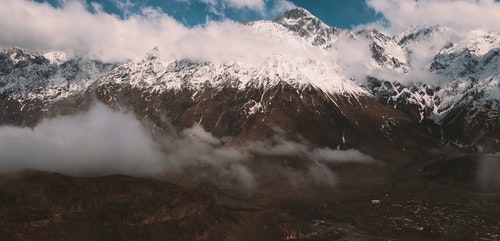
(461, 103)
(307, 26)
(309, 115)
(33, 82)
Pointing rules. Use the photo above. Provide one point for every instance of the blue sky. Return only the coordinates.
(339, 13)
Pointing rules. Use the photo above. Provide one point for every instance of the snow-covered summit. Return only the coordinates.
(154, 75)
(306, 25)
(464, 92)
(55, 57)
(46, 75)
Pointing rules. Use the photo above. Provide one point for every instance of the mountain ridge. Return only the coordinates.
(464, 94)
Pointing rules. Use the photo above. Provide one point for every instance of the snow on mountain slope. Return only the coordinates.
(153, 74)
(437, 75)
(303, 65)
(465, 65)
(434, 73)
(46, 76)
(385, 51)
(307, 26)
(462, 92)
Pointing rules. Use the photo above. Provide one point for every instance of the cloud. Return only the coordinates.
(220, 162)
(321, 174)
(360, 62)
(260, 6)
(72, 28)
(488, 173)
(99, 141)
(125, 6)
(223, 163)
(103, 141)
(456, 14)
(76, 31)
(339, 156)
(251, 4)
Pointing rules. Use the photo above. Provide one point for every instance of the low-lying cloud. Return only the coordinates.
(103, 141)
(488, 174)
(98, 141)
(195, 147)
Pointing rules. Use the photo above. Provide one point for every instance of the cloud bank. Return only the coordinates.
(99, 141)
(488, 173)
(103, 141)
(76, 31)
(251, 4)
(462, 15)
(224, 163)
(264, 8)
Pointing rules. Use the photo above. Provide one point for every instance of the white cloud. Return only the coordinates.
(209, 2)
(339, 156)
(457, 14)
(254, 5)
(74, 30)
(126, 6)
(281, 6)
(123, 4)
(99, 141)
(251, 4)
(488, 172)
(102, 141)
(223, 163)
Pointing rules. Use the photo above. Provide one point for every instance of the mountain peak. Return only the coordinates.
(306, 25)
(18, 54)
(416, 33)
(55, 57)
(297, 13)
(153, 54)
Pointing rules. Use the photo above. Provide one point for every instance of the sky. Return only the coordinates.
(339, 13)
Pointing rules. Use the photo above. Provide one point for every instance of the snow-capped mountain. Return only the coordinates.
(249, 102)
(401, 92)
(464, 95)
(307, 26)
(48, 76)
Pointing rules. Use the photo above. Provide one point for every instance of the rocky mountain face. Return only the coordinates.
(30, 82)
(321, 102)
(464, 100)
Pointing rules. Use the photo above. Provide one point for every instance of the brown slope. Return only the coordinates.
(47, 206)
(308, 115)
